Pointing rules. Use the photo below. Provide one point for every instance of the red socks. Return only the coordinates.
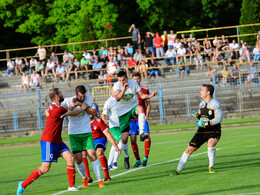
(85, 161)
(135, 151)
(103, 161)
(34, 175)
(71, 175)
(147, 145)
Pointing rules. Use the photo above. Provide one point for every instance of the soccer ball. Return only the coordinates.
(113, 68)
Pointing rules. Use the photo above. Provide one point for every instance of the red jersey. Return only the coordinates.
(53, 127)
(98, 128)
(158, 41)
(131, 63)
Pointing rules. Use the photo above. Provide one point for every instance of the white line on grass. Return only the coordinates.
(247, 193)
(136, 169)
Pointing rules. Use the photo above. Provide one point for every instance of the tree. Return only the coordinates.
(250, 14)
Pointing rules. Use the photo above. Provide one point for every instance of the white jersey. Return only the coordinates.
(80, 123)
(110, 108)
(129, 100)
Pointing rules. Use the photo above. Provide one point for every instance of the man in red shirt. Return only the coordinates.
(130, 65)
(100, 135)
(158, 42)
(51, 142)
(134, 127)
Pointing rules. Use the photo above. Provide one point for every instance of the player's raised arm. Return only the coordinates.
(118, 95)
(147, 96)
(111, 139)
(76, 112)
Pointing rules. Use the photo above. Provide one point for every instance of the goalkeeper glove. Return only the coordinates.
(195, 113)
(201, 124)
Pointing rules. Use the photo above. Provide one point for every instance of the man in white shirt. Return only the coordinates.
(125, 92)
(10, 67)
(170, 53)
(50, 67)
(234, 46)
(41, 51)
(19, 65)
(181, 52)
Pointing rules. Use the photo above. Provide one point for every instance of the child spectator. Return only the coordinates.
(225, 75)
(25, 82)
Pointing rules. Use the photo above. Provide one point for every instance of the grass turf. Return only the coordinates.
(237, 166)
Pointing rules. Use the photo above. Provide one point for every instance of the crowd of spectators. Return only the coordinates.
(144, 56)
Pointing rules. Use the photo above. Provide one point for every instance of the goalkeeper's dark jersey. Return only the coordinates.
(212, 113)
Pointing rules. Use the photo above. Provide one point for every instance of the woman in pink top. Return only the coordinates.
(35, 80)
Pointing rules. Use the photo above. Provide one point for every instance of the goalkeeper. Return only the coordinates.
(209, 129)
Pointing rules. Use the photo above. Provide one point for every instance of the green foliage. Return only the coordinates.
(250, 14)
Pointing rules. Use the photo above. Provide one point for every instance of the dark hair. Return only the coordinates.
(81, 89)
(136, 74)
(210, 88)
(121, 74)
(53, 92)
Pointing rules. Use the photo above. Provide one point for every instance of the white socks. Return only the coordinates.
(111, 155)
(125, 149)
(81, 169)
(141, 122)
(211, 155)
(97, 170)
(116, 154)
(183, 161)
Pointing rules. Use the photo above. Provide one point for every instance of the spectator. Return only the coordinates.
(25, 82)
(35, 79)
(74, 69)
(102, 78)
(234, 47)
(148, 54)
(170, 53)
(191, 39)
(33, 63)
(94, 52)
(126, 55)
(154, 70)
(182, 69)
(256, 52)
(60, 70)
(165, 40)
(76, 63)
(235, 75)
(251, 73)
(104, 60)
(10, 67)
(148, 42)
(96, 70)
(172, 38)
(198, 59)
(177, 45)
(111, 51)
(41, 51)
(67, 59)
(54, 58)
(258, 37)
(50, 67)
(210, 74)
(245, 55)
(192, 54)
(158, 41)
(229, 56)
(86, 55)
(84, 63)
(19, 66)
(217, 57)
(120, 53)
(26, 63)
(224, 43)
(102, 51)
(181, 52)
(208, 52)
(182, 37)
(130, 66)
(136, 37)
(225, 75)
(137, 57)
(206, 42)
(186, 45)
(197, 44)
(215, 41)
(129, 49)
(91, 62)
(143, 69)
(39, 68)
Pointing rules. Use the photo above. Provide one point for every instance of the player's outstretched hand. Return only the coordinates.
(154, 93)
(201, 124)
(195, 113)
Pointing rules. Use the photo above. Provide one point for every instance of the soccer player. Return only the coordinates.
(125, 92)
(100, 135)
(110, 107)
(134, 126)
(80, 136)
(52, 145)
(209, 128)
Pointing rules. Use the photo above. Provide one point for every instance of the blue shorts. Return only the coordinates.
(101, 142)
(51, 152)
(134, 127)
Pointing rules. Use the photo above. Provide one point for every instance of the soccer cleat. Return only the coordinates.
(211, 170)
(73, 189)
(85, 182)
(175, 173)
(143, 137)
(90, 180)
(144, 163)
(138, 162)
(106, 179)
(114, 166)
(20, 189)
(126, 163)
(110, 168)
(101, 184)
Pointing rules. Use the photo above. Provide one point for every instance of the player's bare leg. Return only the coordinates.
(212, 153)
(103, 161)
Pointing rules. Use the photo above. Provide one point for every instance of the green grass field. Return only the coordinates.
(237, 165)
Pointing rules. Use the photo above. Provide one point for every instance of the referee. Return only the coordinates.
(209, 129)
